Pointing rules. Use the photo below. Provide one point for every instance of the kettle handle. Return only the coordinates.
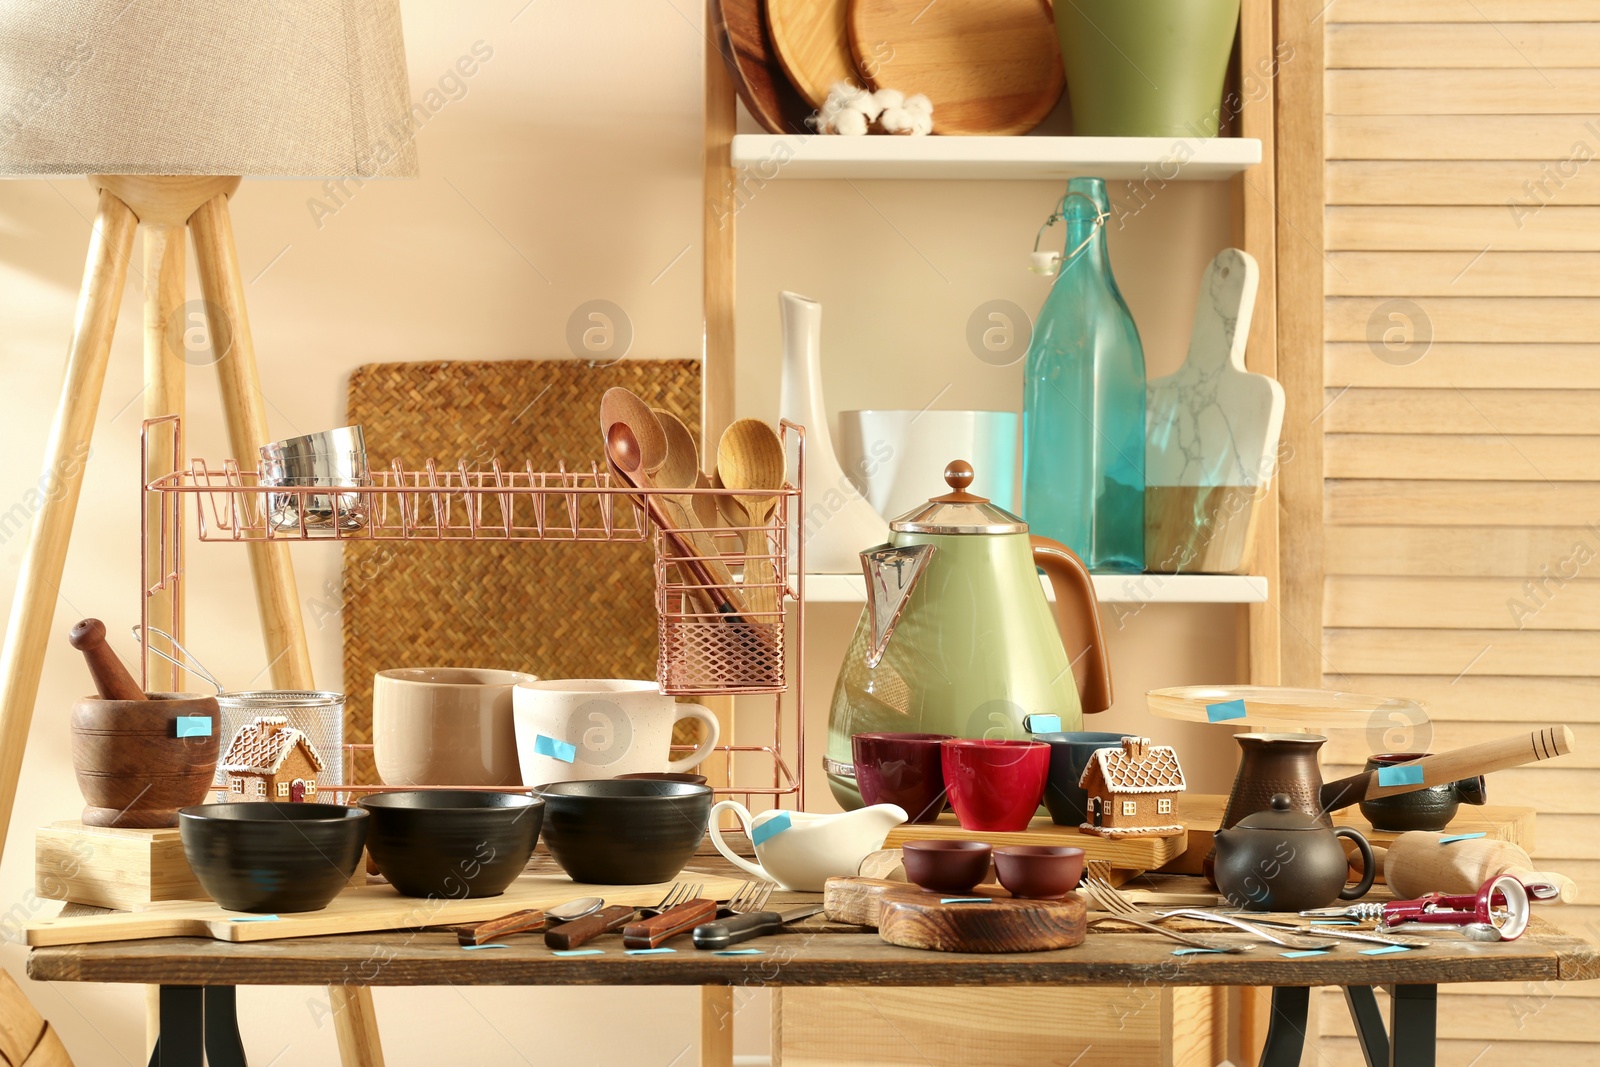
(1078, 619)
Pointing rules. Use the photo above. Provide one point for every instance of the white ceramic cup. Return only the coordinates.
(897, 458)
(445, 726)
(573, 729)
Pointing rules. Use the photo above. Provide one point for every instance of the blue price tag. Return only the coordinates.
(1303, 952)
(1453, 838)
(579, 952)
(1385, 950)
(555, 748)
(473, 948)
(194, 726)
(254, 919)
(1228, 709)
(774, 826)
(740, 952)
(1403, 775)
(1193, 951)
(650, 951)
(966, 900)
(1043, 724)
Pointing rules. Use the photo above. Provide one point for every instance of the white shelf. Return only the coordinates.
(771, 156)
(1110, 588)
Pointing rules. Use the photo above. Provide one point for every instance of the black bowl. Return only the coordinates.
(624, 831)
(266, 857)
(450, 844)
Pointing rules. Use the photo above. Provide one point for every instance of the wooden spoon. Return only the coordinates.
(681, 470)
(626, 456)
(750, 456)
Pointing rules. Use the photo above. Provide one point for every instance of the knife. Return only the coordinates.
(650, 933)
(727, 932)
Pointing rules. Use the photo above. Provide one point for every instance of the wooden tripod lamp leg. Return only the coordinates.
(163, 395)
(282, 625)
(33, 608)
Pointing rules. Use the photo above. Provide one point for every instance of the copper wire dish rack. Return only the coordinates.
(704, 651)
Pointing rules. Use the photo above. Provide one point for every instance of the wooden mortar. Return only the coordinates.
(133, 769)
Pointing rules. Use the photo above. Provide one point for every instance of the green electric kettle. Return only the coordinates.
(957, 636)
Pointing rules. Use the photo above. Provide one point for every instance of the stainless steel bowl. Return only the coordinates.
(332, 458)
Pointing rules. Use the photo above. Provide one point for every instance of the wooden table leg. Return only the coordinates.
(282, 625)
(56, 497)
(1286, 1032)
(163, 395)
(716, 1026)
(1413, 1025)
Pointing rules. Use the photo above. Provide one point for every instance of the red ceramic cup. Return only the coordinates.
(903, 769)
(995, 784)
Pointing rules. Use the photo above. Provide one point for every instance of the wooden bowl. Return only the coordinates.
(133, 769)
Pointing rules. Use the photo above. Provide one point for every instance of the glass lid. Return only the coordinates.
(958, 511)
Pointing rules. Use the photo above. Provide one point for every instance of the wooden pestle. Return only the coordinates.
(111, 679)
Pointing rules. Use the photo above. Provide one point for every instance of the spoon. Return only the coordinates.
(575, 909)
(750, 456)
(625, 453)
(681, 470)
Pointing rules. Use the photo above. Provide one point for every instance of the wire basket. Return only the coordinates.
(317, 714)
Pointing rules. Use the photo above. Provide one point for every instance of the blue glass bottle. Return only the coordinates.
(1083, 407)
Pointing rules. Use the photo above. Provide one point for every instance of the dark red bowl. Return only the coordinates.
(995, 785)
(946, 866)
(1039, 872)
(903, 769)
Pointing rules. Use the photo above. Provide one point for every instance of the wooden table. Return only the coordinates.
(198, 976)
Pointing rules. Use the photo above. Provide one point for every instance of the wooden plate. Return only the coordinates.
(741, 36)
(812, 44)
(989, 66)
(1268, 705)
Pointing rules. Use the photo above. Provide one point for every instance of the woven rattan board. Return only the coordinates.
(575, 610)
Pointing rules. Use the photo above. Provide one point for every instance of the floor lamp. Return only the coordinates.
(164, 104)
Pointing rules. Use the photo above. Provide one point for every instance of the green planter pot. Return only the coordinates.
(1146, 68)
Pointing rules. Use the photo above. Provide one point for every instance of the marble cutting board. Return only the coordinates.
(1211, 434)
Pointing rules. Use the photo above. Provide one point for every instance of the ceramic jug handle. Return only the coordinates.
(1369, 867)
(713, 734)
(743, 816)
(1078, 619)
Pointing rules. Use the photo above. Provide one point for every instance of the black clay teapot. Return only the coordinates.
(1285, 860)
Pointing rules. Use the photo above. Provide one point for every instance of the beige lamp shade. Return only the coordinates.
(285, 88)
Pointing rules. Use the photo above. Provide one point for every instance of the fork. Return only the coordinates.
(1111, 902)
(570, 935)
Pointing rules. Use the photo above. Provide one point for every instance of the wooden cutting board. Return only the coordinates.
(991, 67)
(740, 30)
(1211, 433)
(813, 45)
(355, 911)
(912, 917)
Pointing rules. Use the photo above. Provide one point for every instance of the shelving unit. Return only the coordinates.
(1109, 588)
(778, 156)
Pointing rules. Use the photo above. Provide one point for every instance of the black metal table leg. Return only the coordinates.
(1286, 1031)
(224, 1048)
(182, 1015)
(1413, 1025)
(199, 1026)
(1369, 1024)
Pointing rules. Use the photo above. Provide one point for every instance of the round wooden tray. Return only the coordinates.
(1310, 710)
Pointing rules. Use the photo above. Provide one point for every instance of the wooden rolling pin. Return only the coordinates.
(1444, 767)
(111, 679)
(1416, 863)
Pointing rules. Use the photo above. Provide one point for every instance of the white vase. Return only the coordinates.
(838, 522)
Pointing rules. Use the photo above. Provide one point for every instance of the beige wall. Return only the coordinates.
(568, 171)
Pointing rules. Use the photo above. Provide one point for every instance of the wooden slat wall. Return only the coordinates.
(1461, 553)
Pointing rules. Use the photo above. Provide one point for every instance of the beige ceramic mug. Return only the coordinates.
(445, 726)
(581, 728)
